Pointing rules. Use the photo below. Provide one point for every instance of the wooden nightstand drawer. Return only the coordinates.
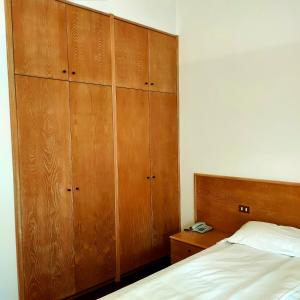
(187, 243)
(180, 250)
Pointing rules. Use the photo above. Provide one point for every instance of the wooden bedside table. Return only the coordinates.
(187, 243)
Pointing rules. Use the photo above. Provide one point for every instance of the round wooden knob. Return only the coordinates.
(73, 73)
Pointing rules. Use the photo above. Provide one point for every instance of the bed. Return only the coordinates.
(224, 271)
(259, 261)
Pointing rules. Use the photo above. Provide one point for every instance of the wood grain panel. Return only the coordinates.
(93, 175)
(144, 26)
(89, 46)
(134, 187)
(45, 175)
(39, 30)
(162, 62)
(131, 44)
(164, 165)
(180, 250)
(217, 199)
(115, 134)
(201, 240)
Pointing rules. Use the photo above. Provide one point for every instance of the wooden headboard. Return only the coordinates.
(217, 200)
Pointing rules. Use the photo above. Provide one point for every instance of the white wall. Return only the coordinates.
(160, 14)
(8, 268)
(240, 90)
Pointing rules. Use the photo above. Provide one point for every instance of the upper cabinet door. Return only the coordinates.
(45, 177)
(39, 30)
(131, 48)
(163, 62)
(93, 178)
(89, 46)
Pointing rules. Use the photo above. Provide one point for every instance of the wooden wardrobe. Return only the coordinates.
(96, 154)
(147, 127)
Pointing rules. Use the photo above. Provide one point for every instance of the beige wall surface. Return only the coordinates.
(239, 90)
(160, 14)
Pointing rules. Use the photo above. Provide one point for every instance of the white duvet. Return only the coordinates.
(224, 271)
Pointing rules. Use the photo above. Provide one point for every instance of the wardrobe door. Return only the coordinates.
(134, 178)
(163, 62)
(131, 48)
(39, 31)
(45, 181)
(164, 165)
(93, 178)
(89, 46)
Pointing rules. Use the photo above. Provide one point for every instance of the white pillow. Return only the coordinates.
(268, 237)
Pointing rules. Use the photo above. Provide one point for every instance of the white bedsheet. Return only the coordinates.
(224, 271)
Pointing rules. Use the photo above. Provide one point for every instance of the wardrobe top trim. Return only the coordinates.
(116, 17)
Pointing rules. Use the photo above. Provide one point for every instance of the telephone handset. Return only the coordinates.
(201, 227)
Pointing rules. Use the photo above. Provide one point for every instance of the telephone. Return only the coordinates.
(201, 227)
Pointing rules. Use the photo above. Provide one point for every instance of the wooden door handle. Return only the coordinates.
(77, 188)
(73, 73)
(64, 71)
(69, 190)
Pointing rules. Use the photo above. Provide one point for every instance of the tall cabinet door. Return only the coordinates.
(164, 165)
(134, 178)
(45, 180)
(40, 35)
(162, 62)
(131, 43)
(93, 178)
(89, 46)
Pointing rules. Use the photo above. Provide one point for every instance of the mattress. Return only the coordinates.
(224, 271)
